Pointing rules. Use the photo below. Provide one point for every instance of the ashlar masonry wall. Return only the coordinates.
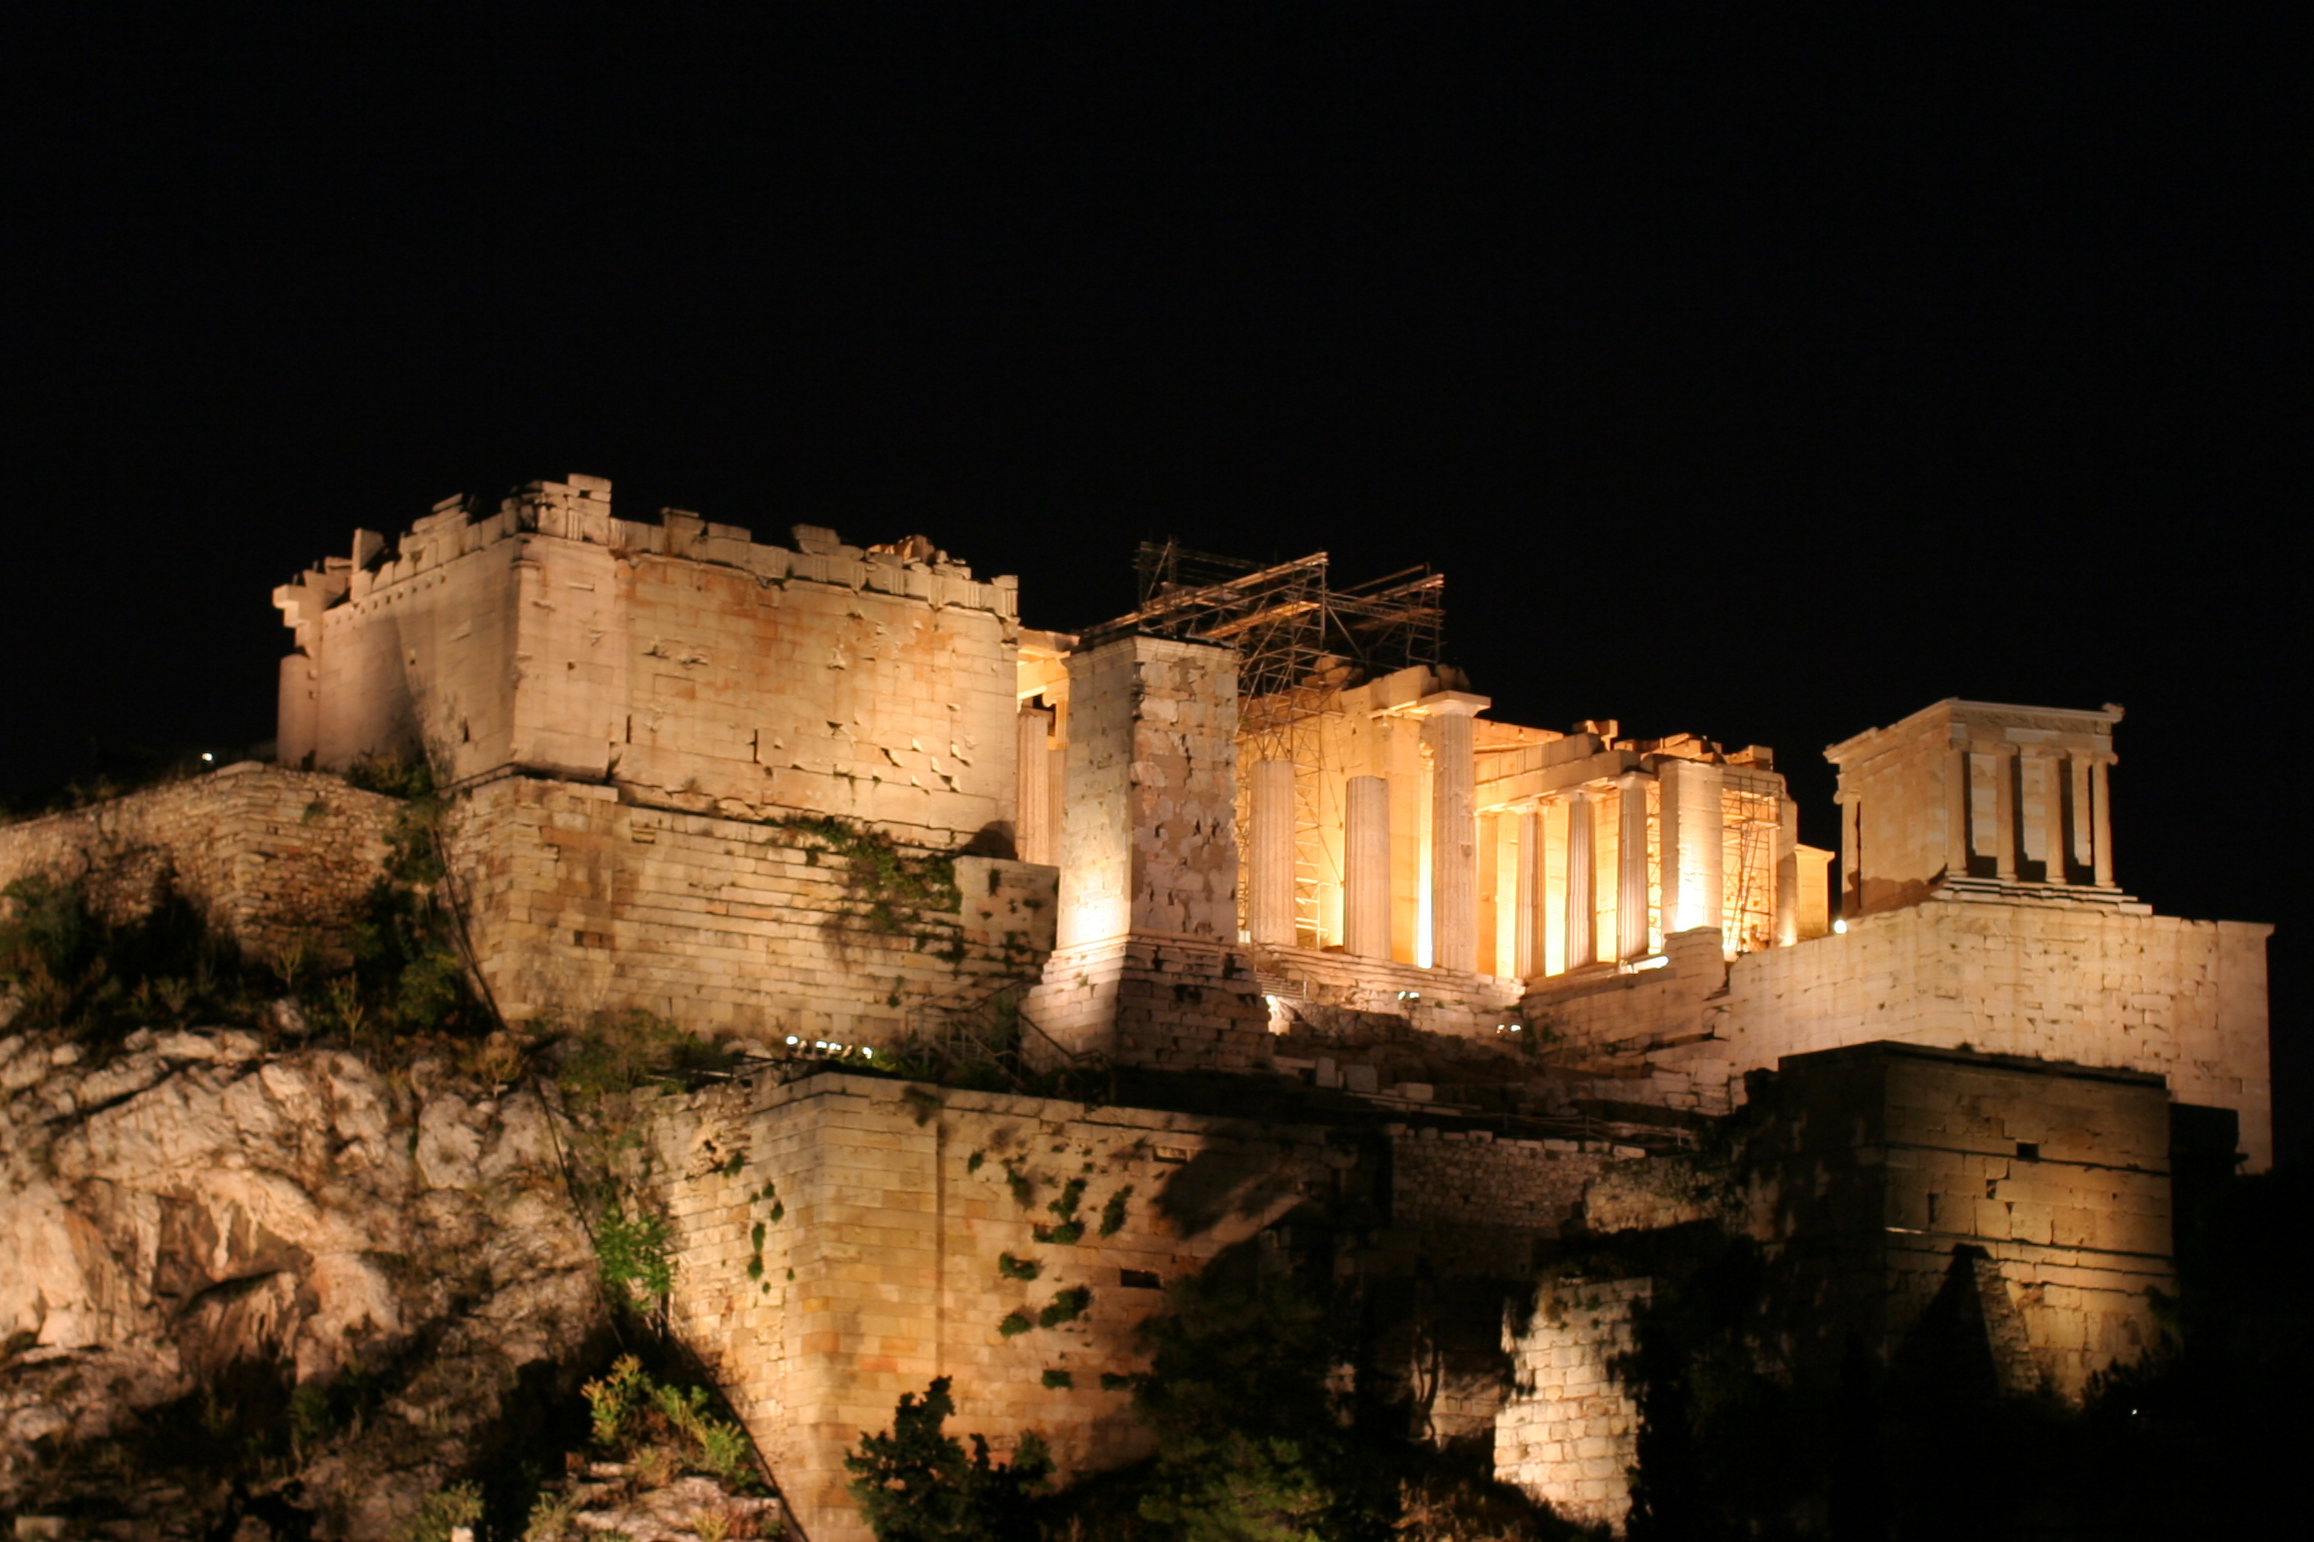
(583, 900)
(720, 673)
(273, 858)
(1568, 1433)
(840, 1240)
(2027, 1203)
(2087, 984)
(1148, 970)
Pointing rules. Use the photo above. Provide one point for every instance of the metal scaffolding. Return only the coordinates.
(1300, 641)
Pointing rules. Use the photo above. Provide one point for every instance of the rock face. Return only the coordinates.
(237, 1282)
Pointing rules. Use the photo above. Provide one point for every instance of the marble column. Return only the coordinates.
(1528, 961)
(2101, 822)
(1956, 812)
(1581, 950)
(2056, 829)
(2081, 845)
(1694, 833)
(1453, 739)
(1270, 855)
(1851, 897)
(1032, 825)
(2005, 816)
(1366, 864)
(1788, 874)
(1631, 867)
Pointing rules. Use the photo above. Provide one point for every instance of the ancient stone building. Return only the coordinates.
(1482, 987)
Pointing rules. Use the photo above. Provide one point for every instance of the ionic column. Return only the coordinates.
(2056, 830)
(1270, 855)
(1033, 798)
(1956, 812)
(1851, 852)
(1528, 960)
(1581, 949)
(1631, 867)
(2080, 843)
(2101, 822)
(1366, 867)
(2005, 815)
(1453, 738)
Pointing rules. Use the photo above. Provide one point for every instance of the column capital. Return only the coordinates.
(1441, 704)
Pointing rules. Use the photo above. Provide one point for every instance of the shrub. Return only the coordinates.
(632, 1411)
(632, 1251)
(1067, 1306)
(460, 1505)
(1113, 1212)
(916, 1483)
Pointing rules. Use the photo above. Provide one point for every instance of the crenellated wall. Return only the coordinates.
(678, 656)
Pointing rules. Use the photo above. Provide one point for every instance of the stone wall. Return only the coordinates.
(272, 858)
(840, 1241)
(1942, 1205)
(675, 655)
(1145, 1001)
(2088, 984)
(1474, 1204)
(1568, 1433)
(1445, 1001)
(582, 899)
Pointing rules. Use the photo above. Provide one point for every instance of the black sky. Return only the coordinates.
(1766, 376)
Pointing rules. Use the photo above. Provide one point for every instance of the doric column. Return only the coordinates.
(1366, 863)
(2005, 815)
(1270, 855)
(1581, 950)
(1694, 831)
(2101, 821)
(1033, 800)
(1787, 874)
(1956, 812)
(1631, 867)
(2055, 828)
(1453, 739)
(1533, 874)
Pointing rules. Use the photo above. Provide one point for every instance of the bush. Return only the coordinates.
(917, 1483)
(72, 968)
(635, 1414)
(1066, 1306)
(439, 1512)
(632, 1251)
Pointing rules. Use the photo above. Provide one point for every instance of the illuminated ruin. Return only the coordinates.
(1489, 977)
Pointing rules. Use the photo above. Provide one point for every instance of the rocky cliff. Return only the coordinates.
(286, 1285)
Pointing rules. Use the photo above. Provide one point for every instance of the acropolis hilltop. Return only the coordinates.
(1256, 839)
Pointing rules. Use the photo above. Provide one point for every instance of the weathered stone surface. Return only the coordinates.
(194, 1214)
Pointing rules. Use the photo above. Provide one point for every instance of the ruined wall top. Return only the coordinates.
(579, 509)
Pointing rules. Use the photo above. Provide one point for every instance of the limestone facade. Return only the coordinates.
(665, 744)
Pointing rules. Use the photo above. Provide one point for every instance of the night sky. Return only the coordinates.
(1766, 377)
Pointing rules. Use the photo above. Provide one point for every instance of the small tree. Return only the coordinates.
(917, 1484)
